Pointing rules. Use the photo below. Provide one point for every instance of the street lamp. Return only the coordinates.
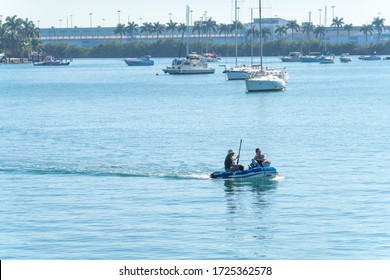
(170, 16)
(191, 17)
(119, 16)
(60, 20)
(310, 17)
(71, 21)
(320, 10)
(90, 20)
(103, 19)
(332, 12)
(37, 21)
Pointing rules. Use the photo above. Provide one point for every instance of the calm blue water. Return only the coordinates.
(103, 161)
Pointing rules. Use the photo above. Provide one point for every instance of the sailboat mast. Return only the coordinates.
(252, 37)
(188, 25)
(261, 37)
(235, 21)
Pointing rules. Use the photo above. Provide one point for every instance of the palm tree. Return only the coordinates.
(171, 26)
(367, 29)
(281, 30)
(239, 24)
(182, 27)
(337, 24)
(28, 33)
(131, 28)
(224, 28)
(147, 28)
(265, 32)
(379, 24)
(348, 27)
(294, 26)
(252, 32)
(158, 28)
(308, 28)
(320, 31)
(198, 27)
(120, 29)
(13, 26)
(210, 26)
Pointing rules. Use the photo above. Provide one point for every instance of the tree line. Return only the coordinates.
(19, 37)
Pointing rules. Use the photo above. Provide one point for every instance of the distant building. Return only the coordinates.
(92, 36)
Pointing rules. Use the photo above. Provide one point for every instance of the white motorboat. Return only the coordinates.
(292, 57)
(51, 61)
(144, 60)
(370, 57)
(326, 59)
(192, 64)
(344, 57)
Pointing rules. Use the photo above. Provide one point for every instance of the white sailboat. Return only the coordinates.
(266, 79)
(240, 72)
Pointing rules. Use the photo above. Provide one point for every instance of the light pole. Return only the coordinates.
(37, 21)
(103, 19)
(170, 16)
(71, 21)
(90, 20)
(320, 10)
(191, 17)
(310, 17)
(119, 16)
(60, 20)
(332, 13)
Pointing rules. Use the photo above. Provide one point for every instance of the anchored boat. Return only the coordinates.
(259, 172)
(140, 61)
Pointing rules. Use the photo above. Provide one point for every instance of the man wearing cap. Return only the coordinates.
(230, 165)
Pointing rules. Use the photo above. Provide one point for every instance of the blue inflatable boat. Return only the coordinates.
(259, 171)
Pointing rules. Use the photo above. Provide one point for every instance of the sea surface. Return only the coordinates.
(99, 160)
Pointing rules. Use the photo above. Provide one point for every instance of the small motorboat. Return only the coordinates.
(344, 57)
(192, 64)
(292, 57)
(140, 61)
(259, 172)
(57, 62)
(327, 59)
(370, 57)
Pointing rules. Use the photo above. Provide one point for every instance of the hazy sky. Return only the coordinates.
(56, 13)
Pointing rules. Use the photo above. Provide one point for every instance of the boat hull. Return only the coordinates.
(265, 84)
(370, 57)
(309, 59)
(237, 75)
(258, 172)
(50, 63)
(139, 63)
(188, 71)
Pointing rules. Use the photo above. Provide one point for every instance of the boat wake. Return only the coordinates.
(278, 178)
(109, 171)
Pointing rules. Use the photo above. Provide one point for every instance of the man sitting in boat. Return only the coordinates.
(260, 159)
(230, 165)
